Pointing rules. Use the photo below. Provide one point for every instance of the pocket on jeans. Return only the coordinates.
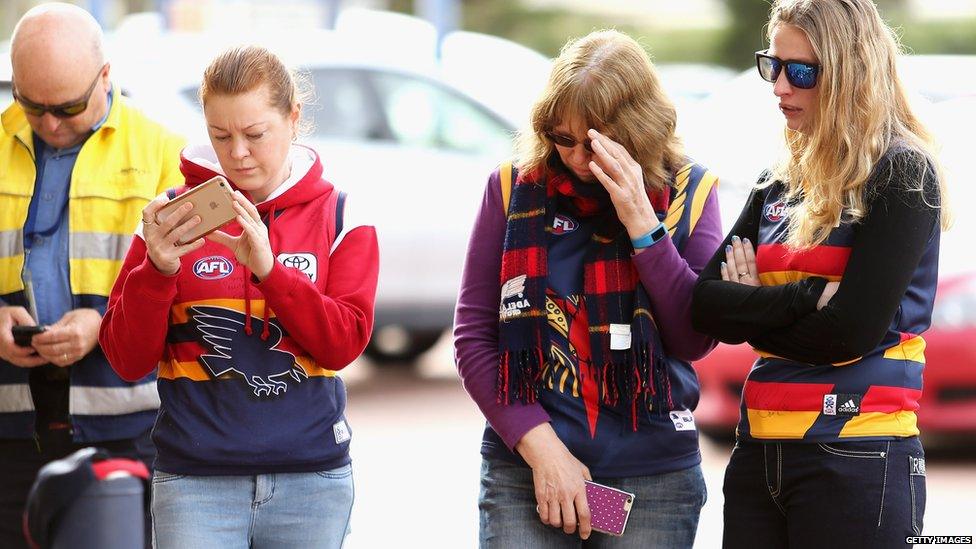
(338, 473)
(862, 450)
(159, 477)
(916, 485)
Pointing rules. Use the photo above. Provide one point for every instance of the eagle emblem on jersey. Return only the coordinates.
(231, 350)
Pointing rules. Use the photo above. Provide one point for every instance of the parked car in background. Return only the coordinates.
(948, 402)
(414, 153)
(506, 76)
(412, 149)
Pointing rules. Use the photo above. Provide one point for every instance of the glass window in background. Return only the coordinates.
(344, 107)
(424, 114)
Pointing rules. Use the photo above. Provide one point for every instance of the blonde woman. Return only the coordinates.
(573, 330)
(830, 274)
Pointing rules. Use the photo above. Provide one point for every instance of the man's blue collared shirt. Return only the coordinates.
(46, 229)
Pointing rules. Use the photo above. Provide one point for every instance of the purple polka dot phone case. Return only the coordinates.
(609, 508)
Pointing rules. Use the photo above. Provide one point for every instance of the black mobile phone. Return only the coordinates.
(24, 334)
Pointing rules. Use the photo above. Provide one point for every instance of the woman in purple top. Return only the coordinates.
(572, 329)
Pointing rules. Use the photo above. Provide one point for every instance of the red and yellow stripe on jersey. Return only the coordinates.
(790, 400)
(182, 354)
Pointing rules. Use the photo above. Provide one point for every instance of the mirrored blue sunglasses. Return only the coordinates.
(798, 73)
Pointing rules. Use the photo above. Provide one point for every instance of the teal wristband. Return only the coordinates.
(654, 236)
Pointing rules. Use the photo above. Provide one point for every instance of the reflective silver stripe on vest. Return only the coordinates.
(16, 398)
(100, 245)
(11, 243)
(112, 401)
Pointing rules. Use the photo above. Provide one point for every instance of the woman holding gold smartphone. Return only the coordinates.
(248, 327)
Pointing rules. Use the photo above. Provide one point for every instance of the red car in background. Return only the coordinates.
(947, 407)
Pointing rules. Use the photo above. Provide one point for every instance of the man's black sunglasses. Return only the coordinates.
(798, 73)
(64, 110)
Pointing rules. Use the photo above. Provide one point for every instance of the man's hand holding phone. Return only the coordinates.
(25, 357)
(70, 338)
(558, 478)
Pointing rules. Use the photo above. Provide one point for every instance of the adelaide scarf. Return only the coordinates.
(615, 299)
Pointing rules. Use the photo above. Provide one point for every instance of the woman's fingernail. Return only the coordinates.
(728, 248)
(745, 241)
(724, 266)
(735, 238)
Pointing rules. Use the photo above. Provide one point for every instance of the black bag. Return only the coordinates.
(62, 483)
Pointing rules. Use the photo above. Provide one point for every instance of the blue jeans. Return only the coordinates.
(837, 494)
(664, 515)
(286, 510)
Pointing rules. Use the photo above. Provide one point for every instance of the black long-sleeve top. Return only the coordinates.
(886, 247)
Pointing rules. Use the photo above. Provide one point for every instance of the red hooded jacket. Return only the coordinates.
(246, 368)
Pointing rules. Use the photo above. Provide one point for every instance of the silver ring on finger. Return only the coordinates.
(64, 357)
(743, 275)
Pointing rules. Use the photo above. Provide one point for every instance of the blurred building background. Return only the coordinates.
(704, 31)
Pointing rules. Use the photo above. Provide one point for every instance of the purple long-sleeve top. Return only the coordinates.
(668, 276)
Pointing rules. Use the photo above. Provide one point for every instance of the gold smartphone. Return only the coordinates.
(212, 200)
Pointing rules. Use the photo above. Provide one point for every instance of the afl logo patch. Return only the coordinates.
(306, 263)
(213, 267)
(562, 224)
(774, 212)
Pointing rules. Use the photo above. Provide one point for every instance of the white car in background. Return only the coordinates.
(412, 150)
(393, 129)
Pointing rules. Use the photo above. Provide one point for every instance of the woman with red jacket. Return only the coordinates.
(248, 327)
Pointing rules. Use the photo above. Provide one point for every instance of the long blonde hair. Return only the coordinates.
(606, 79)
(863, 109)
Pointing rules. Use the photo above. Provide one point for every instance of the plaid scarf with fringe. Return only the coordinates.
(612, 292)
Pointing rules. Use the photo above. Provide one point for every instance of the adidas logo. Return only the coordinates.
(848, 406)
(842, 405)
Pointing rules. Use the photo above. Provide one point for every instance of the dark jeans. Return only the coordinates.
(840, 494)
(20, 460)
